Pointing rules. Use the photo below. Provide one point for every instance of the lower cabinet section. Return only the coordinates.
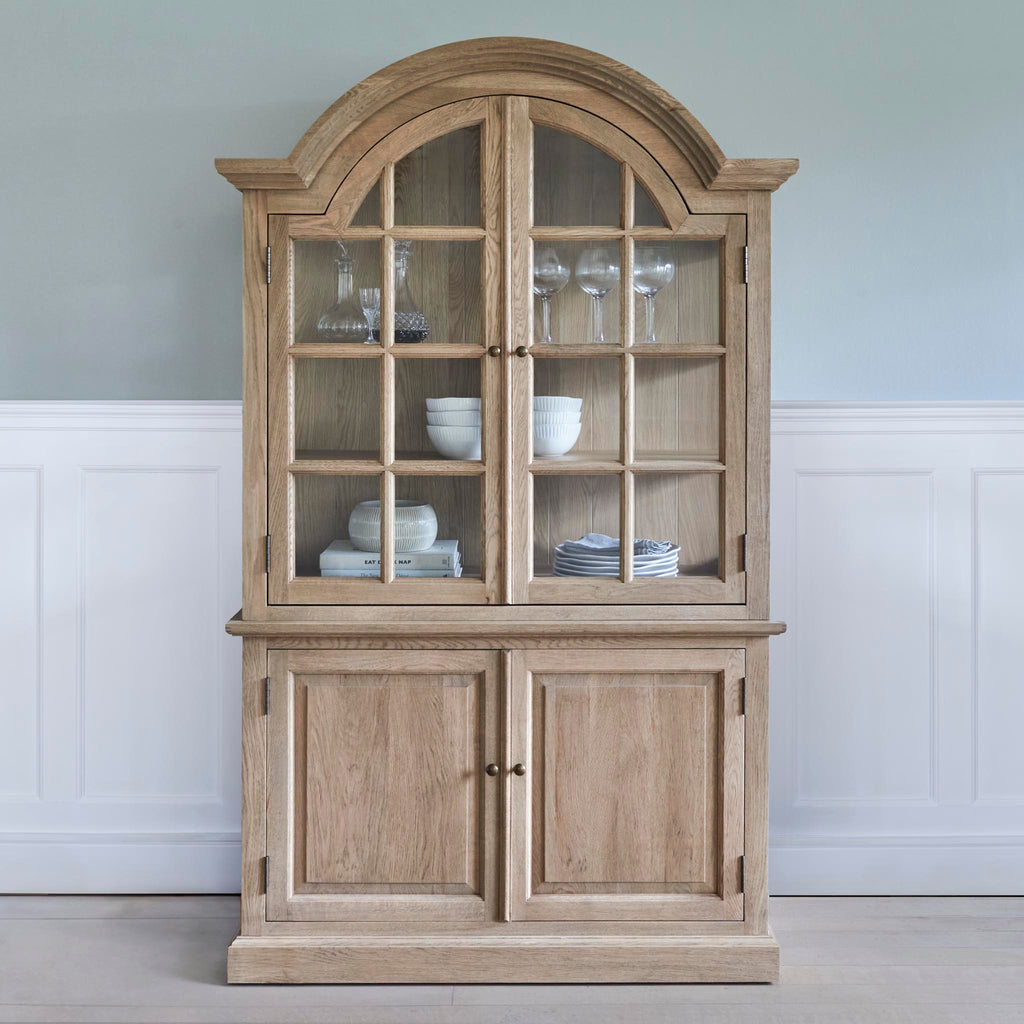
(519, 815)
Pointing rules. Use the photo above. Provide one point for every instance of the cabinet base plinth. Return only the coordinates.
(437, 960)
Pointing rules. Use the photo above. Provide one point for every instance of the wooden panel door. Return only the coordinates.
(628, 799)
(381, 807)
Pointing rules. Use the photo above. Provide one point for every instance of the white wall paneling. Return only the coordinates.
(898, 692)
(897, 764)
(119, 736)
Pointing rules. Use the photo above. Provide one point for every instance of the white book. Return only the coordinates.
(399, 573)
(343, 554)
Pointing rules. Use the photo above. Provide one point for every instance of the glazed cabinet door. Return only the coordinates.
(381, 807)
(628, 385)
(627, 785)
(385, 407)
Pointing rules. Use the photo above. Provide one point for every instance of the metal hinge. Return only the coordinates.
(743, 695)
(746, 264)
(268, 265)
(266, 874)
(268, 554)
(743, 553)
(742, 874)
(266, 695)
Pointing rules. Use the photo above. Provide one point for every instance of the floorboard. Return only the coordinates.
(906, 960)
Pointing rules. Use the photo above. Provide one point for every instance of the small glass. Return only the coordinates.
(369, 299)
(550, 276)
(653, 269)
(597, 272)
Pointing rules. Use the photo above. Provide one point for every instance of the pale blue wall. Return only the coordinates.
(898, 256)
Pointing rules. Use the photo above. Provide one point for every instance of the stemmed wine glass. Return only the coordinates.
(369, 299)
(550, 276)
(653, 269)
(597, 271)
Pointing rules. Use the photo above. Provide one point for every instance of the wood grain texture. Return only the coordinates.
(254, 785)
(494, 62)
(632, 804)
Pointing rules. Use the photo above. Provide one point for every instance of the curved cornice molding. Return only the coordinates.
(492, 63)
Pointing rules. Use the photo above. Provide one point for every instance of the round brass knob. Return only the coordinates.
(519, 769)
(492, 769)
(522, 352)
(494, 350)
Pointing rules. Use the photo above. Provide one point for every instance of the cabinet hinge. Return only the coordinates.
(743, 553)
(742, 873)
(268, 554)
(743, 694)
(746, 264)
(266, 695)
(266, 874)
(268, 265)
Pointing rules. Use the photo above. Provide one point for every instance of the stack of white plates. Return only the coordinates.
(574, 562)
(556, 424)
(453, 426)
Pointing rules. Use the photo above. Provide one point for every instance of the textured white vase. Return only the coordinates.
(415, 525)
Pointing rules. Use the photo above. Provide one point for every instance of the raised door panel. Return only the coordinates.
(631, 804)
(380, 807)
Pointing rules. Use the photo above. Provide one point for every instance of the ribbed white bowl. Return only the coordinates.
(415, 525)
(455, 442)
(550, 439)
(468, 418)
(556, 403)
(452, 404)
(556, 417)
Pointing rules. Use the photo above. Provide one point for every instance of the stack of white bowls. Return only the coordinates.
(453, 426)
(556, 424)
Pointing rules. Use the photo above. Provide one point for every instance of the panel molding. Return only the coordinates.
(958, 841)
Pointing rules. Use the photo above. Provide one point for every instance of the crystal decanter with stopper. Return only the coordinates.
(345, 320)
(410, 324)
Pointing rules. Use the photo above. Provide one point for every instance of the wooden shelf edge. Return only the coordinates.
(389, 625)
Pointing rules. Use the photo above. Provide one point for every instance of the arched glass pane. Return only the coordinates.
(645, 213)
(368, 214)
(439, 183)
(573, 181)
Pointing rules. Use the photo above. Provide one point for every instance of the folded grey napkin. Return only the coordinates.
(602, 544)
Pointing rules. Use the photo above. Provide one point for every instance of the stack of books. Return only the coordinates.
(343, 558)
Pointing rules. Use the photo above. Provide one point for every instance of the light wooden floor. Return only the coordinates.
(852, 960)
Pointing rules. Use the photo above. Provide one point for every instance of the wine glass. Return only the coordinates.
(653, 269)
(550, 276)
(597, 272)
(369, 299)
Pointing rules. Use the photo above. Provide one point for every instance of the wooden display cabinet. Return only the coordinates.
(512, 774)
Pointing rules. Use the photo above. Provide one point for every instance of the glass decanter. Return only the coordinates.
(410, 324)
(345, 320)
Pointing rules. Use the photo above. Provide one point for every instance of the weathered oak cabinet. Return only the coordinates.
(526, 769)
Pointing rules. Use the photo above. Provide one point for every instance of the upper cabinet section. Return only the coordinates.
(501, 352)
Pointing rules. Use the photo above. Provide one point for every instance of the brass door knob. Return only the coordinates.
(494, 350)
(492, 769)
(519, 769)
(522, 352)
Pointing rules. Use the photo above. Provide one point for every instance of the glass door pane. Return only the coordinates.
(574, 182)
(439, 182)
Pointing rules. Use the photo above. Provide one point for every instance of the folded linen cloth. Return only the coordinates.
(602, 544)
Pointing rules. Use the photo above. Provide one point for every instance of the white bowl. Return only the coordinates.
(550, 439)
(555, 417)
(452, 404)
(455, 442)
(454, 419)
(415, 525)
(556, 403)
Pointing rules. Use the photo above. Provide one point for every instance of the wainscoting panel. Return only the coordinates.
(119, 734)
(898, 691)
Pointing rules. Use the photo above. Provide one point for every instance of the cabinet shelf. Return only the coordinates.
(311, 460)
(609, 462)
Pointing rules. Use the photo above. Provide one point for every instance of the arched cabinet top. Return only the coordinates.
(498, 66)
